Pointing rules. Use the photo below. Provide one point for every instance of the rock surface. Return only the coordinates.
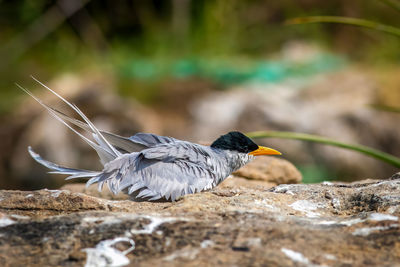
(328, 224)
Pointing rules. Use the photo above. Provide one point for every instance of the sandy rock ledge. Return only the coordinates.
(328, 224)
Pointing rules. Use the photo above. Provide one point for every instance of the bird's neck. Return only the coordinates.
(235, 160)
(241, 159)
(226, 161)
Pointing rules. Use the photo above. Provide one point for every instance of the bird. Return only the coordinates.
(150, 167)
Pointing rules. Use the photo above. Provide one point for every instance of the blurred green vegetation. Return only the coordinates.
(316, 173)
(140, 39)
(227, 71)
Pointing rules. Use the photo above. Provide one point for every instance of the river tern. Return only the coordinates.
(151, 167)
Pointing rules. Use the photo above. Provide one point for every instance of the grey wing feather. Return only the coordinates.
(118, 141)
(150, 140)
(174, 179)
(134, 143)
(156, 173)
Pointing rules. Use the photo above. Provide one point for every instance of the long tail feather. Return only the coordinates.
(73, 173)
(121, 142)
(101, 139)
(104, 154)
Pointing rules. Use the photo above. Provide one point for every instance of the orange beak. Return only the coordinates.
(262, 150)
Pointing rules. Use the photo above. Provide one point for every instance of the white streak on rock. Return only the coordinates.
(5, 221)
(351, 222)
(368, 230)
(159, 232)
(295, 256)
(392, 209)
(330, 257)
(264, 204)
(155, 222)
(184, 253)
(306, 207)
(371, 217)
(29, 195)
(19, 217)
(382, 217)
(54, 193)
(284, 188)
(326, 222)
(148, 229)
(105, 255)
(254, 242)
(207, 244)
(344, 222)
(298, 257)
(336, 203)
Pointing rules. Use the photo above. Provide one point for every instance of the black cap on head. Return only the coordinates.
(235, 141)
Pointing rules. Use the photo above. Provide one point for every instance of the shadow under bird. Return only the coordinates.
(151, 167)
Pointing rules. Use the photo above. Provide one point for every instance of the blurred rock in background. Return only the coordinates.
(336, 105)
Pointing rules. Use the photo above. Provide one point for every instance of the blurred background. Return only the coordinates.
(195, 70)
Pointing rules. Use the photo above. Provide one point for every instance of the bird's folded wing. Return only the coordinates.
(150, 140)
(158, 173)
